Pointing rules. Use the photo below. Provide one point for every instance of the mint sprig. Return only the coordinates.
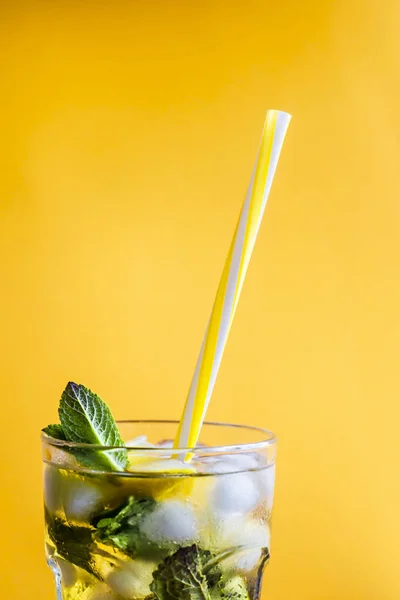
(55, 431)
(120, 527)
(86, 419)
(189, 574)
(72, 542)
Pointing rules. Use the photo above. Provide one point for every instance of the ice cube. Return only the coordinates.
(234, 493)
(171, 522)
(220, 466)
(265, 481)
(132, 580)
(139, 442)
(252, 534)
(166, 445)
(232, 463)
(241, 462)
(204, 464)
(82, 497)
(56, 455)
(257, 537)
(228, 463)
(52, 488)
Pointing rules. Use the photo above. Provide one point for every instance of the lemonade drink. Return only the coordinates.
(128, 517)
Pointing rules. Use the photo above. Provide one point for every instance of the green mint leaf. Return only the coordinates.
(121, 527)
(189, 574)
(55, 431)
(86, 419)
(72, 542)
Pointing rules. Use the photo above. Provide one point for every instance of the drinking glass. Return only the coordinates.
(188, 523)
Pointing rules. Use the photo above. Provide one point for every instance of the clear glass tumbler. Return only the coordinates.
(190, 524)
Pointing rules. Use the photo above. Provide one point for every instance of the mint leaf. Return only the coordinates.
(189, 574)
(72, 542)
(121, 527)
(86, 419)
(55, 431)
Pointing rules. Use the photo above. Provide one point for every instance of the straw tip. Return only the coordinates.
(287, 116)
(276, 121)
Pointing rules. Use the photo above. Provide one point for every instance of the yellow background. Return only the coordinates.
(128, 135)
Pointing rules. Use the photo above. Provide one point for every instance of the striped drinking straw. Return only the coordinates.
(230, 286)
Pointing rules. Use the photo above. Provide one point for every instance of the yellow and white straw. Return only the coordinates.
(230, 286)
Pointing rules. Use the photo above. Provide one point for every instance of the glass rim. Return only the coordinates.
(270, 440)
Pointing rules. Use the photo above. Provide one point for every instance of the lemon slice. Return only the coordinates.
(169, 477)
(167, 466)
